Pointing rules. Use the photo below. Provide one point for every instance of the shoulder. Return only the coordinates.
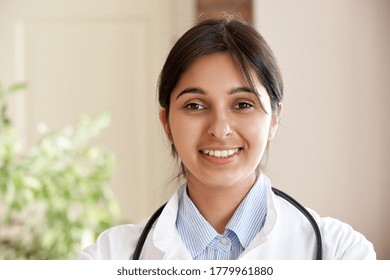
(341, 241)
(116, 243)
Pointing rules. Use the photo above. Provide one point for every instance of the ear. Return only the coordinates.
(165, 124)
(275, 121)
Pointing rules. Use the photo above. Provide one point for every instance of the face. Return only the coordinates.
(217, 125)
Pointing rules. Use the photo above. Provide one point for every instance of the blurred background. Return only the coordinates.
(92, 56)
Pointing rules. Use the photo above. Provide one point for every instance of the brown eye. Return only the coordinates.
(243, 105)
(194, 106)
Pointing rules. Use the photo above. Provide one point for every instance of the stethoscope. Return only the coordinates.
(154, 217)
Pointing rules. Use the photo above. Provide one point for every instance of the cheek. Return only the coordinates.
(184, 132)
(257, 133)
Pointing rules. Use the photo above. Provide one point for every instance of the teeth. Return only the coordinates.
(220, 153)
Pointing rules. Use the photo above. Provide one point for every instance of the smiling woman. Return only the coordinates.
(221, 94)
(221, 116)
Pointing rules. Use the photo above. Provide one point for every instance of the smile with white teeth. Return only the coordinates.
(220, 153)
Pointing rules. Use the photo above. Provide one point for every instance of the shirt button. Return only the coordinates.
(224, 241)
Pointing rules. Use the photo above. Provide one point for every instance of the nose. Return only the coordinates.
(220, 125)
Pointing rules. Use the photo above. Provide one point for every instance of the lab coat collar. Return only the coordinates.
(165, 235)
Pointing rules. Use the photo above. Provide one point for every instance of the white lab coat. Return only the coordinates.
(286, 234)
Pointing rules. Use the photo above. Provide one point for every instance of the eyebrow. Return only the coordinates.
(191, 90)
(202, 91)
(241, 89)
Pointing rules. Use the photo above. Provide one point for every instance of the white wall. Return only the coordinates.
(331, 151)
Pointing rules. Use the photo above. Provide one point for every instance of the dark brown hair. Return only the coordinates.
(246, 46)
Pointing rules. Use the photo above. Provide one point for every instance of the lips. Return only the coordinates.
(220, 153)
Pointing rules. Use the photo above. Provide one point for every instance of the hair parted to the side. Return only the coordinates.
(226, 35)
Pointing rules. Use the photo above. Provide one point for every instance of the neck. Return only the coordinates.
(217, 205)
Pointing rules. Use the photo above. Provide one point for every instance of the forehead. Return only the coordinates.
(213, 64)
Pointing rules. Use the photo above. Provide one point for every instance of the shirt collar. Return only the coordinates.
(246, 222)
(195, 231)
(250, 215)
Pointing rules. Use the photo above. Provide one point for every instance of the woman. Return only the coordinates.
(221, 94)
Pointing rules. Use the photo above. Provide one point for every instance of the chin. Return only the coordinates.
(222, 181)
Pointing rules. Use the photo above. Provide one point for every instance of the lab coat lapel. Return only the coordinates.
(165, 235)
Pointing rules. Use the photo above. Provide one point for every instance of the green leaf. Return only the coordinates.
(17, 87)
(55, 191)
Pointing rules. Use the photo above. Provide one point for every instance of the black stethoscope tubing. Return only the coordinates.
(154, 217)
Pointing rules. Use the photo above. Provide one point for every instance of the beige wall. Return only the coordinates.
(331, 151)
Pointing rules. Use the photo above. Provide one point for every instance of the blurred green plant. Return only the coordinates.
(54, 194)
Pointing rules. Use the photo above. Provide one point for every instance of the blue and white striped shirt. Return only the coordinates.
(205, 243)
